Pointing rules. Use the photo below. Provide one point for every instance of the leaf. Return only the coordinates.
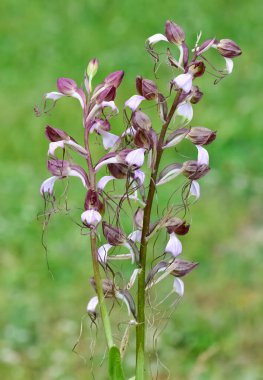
(115, 366)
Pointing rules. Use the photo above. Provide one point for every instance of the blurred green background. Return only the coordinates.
(217, 330)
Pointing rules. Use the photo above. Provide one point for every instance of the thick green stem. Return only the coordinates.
(98, 282)
(140, 330)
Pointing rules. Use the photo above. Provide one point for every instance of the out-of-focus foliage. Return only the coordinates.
(216, 331)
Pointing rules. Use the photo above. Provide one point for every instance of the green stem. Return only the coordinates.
(140, 330)
(97, 277)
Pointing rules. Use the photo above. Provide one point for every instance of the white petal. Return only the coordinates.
(135, 157)
(174, 246)
(156, 38)
(110, 104)
(54, 95)
(203, 156)
(178, 286)
(139, 175)
(229, 65)
(127, 245)
(195, 189)
(184, 81)
(75, 173)
(53, 146)
(134, 102)
(133, 278)
(91, 217)
(108, 139)
(169, 176)
(123, 298)
(135, 236)
(104, 180)
(103, 252)
(76, 95)
(74, 146)
(47, 185)
(186, 111)
(111, 160)
(93, 303)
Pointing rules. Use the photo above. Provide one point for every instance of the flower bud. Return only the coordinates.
(107, 287)
(108, 94)
(118, 171)
(228, 48)
(174, 33)
(193, 170)
(145, 139)
(92, 201)
(182, 267)
(92, 68)
(55, 134)
(201, 135)
(206, 45)
(146, 88)
(141, 120)
(113, 235)
(177, 225)
(197, 69)
(66, 86)
(196, 95)
(114, 79)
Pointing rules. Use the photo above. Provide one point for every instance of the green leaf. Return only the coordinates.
(115, 367)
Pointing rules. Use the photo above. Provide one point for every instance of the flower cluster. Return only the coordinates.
(124, 158)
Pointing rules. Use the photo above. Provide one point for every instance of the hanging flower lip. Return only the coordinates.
(174, 246)
(228, 48)
(135, 157)
(134, 101)
(91, 218)
(185, 110)
(229, 65)
(184, 82)
(48, 185)
(114, 79)
(203, 156)
(66, 86)
(174, 33)
(195, 189)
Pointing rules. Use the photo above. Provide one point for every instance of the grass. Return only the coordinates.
(216, 331)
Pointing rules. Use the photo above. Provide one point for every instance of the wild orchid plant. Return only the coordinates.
(105, 212)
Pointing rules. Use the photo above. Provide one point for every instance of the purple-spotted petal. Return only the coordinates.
(135, 157)
(108, 139)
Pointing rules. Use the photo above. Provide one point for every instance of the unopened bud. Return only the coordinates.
(193, 170)
(174, 33)
(182, 267)
(66, 86)
(177, 225)
(197, 69)
(141, 121)
(228, 48)
(114, 79)
(113, 235)
(118, 171)
(92, 68)
(92, 201)
(108, 94)
(196, 95)
(107, 287)
(55, 134)
(201, 135)
(146, 88)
